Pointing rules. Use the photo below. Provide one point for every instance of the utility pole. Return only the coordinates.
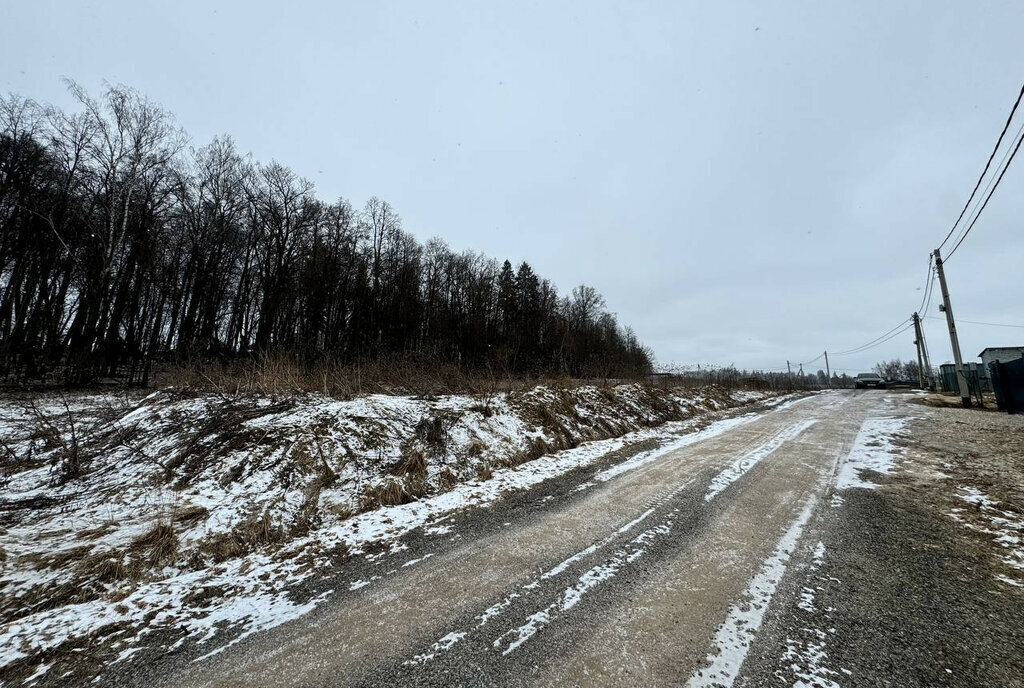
(828, 372)
(789, 371)
(927, 360)
(961, 379)
(917, 343)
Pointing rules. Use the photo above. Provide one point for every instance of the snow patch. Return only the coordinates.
(872, 450)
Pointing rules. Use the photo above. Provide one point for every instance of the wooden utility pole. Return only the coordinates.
(828, 372)
(918, 344)
(961, 378)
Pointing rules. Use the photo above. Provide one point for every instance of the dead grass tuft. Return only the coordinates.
(93, 533)
(157, 546)
(255, 532)
(447, 479)
(107, 567)
(535, 449)
(392, 492)
(415, 463)
(190, 515)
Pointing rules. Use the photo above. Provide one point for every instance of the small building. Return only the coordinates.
(1005, 354)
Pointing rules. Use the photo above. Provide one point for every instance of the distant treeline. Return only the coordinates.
(120, 244)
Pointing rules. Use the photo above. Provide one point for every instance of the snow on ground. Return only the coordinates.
(873, 450)
(196, 514)
(735, 635)
(743, 464)
(1004, 526)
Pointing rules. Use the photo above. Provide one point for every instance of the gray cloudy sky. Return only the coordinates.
(745, 182)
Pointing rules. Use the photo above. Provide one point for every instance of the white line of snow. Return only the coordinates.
(733, 639)
(572, 595)
(442, 645)
(872, 450)
(715, 429)
(751, 459)
(259, 614)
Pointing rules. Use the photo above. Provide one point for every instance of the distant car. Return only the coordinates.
(869, 380)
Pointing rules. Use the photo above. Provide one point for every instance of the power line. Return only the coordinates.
(987, 164)
(931, 291)
(873, 342)
(987, 198)
(975, 322)
(973, 215)
(927, 282)
(818, 358)
(877, 343)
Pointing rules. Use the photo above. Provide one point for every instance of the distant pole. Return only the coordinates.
(828, 371)
(930, 376)
(789, 370)
(961, 378)
(917, 344)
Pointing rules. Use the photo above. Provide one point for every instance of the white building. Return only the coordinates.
(1000, 353)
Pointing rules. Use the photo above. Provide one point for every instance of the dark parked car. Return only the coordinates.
(869, 380)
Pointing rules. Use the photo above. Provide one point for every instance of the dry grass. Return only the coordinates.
(256, 532)
(220, 432)
(157, 546)
(447, 479)
(108, 567)
(99, 531)
(417, 374)
(415, 463)
(535, 448)
(392, 492)
(188, 516)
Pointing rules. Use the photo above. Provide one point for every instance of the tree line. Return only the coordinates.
(121, 245)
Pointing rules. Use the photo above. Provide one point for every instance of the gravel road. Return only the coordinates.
(847, 539)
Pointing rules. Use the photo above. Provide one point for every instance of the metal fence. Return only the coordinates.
(1008, 384)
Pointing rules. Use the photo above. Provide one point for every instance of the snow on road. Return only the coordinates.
(737, 633)
(751, 459)
(873, 450)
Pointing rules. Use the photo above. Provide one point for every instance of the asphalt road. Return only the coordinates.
(733, 560)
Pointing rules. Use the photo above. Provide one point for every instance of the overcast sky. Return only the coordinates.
(745, 182)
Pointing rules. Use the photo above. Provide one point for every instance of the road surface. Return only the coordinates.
(756, 553)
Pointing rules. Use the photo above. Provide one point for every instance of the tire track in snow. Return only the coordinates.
(570, 597)
(594, 575)
(743, 464)
(735, 635)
